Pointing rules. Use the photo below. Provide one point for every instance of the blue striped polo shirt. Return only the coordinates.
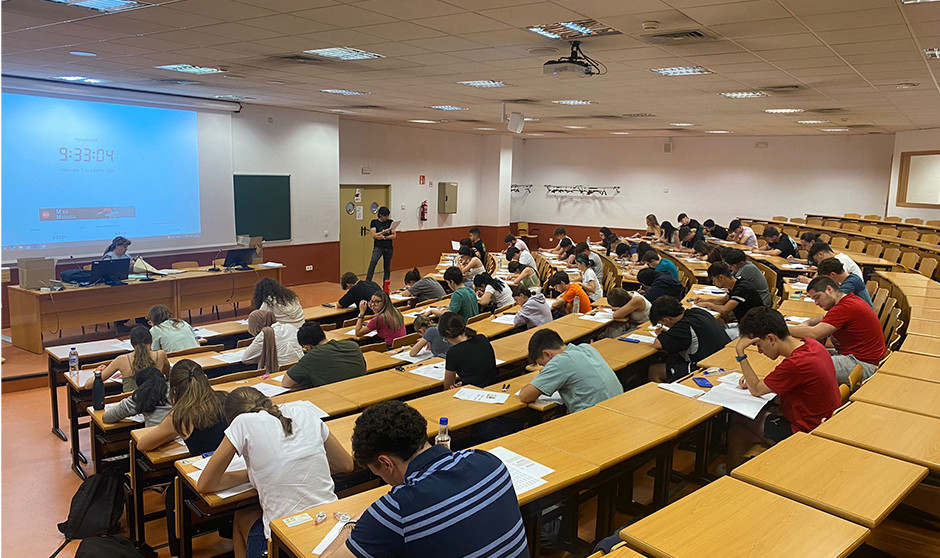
(452, 504)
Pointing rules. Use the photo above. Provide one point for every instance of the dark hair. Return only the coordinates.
(519, 290)
(348, 279)
(649, 256)
(560, 230)
(646, 276)
(413, 276)
(566, 242)
(475, 231)
(809, 237)
(665, 307)
(151, 390)
(118, 241)
(684, 231)
(453, 325)
(830, 266)
(466, 242)
(817, 248)
(195, 403)
(485, 278)
(681, 217)
(141, 340)
(761, 321)
(770, 232)
(642, 248)
(465, 251)
(269, 290)
(708, 223)
(618, 297)
(668, 229)
(701, 247)
(453, 275)
(622, 249)
(159, 313)
(383, 212)
(509, 238)
(247, 399)
(310, 334)
(511, 252)
(389, 427)
(733, 226)
(820, 283)
(581, 247)
(515, 266)
(544, 339)
(714, 255)
(719, 268)
(733, 256)
(583, 259)
(557, 278)
(606, 231)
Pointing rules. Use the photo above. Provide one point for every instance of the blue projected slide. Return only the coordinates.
(80, 171)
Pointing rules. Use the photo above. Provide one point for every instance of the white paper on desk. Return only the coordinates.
(481, 396)
(599, 317)
(642, 338)
(512, 459)
(398, 297)
(271, 264)
(799, 285)
(329, 538)
(455, 245)
(237, 464)
(506, 319)
(500, 362)
(206, 332)
(736, 399)
(413, 314)
(171, 271)
(434, 371)
(270, 390)
(85, 375)
(139, 418)
(243, 322)
(231, 358)
(228, 492)
(122, 345)
(793, 266)
(546, 399)
(423, 355)
(654, 329)
(372, 333)
(731, 378)
(276, 379)
(683, 390)
(709, 291)
(797, 319)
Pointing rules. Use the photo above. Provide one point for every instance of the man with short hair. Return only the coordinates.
(805, 384)
(852, 324)
(582, 249)
(522, 256)
(821, 251)
(744, 269)
(577, 372)
(740, 234)
(657, 284)
(693, 334)
(715, 231)
(654, 261)
(324, 361)
(518, 243)
(443, 504)
(848, 282)
(356, 290)
(685, 220)
(560, 234)
(778, 244)
(741, 297)
(479, 249)
(567, 293)
(463, 300)
(688, 237)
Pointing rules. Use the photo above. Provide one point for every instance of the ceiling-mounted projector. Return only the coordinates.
(575, 65)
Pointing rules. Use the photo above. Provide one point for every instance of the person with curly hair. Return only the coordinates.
(273, 296)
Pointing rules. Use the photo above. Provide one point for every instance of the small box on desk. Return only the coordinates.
(36, 272)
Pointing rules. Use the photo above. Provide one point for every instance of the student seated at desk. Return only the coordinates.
(583, 249)
(430, 338)
(463, 301)
(577, 372)
(821, 251)
(567, 249)
(807, 240)
(517, 243)
(656, 284)
(479, 249)
(686, 221)
(523, 275)
(848, 282)
(778, 244)
(534, 310)
(589, 281)
(290, 454)
(273, 296)
(324, 361)
(469, 265)
(740, 234)
(632, 307)
(701, 249)
(688, 237)
(443, 504)
(568, 292)
(388, 321)
(151, 399)
(129, 364)
(715, 254)
(668, 235)
(274, 343)
(560, 235)
(714, 230)
(743, 269)
(851, 323)
(741, 297)
(524, 257)
(421, 288)
(653, 230)
(805, 384)
(471, 359)
(493, 293)
(356, 290)
(168, 333)
(693, 334)
(631, 252)
(653, 260)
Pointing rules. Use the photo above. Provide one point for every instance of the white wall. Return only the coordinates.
(303, 144)
(707, 177)
(917, 140)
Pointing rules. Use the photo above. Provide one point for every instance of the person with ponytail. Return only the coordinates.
(523, 276)
(275, 343)
(151, 399)
(169, 333)
(129, 364)
(290, 454)
(388, 321)
(589, 281)
(471, 358)
(492, 292)
(117, 250)
(426, 288)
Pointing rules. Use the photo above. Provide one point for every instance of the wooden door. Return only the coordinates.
(358, 205)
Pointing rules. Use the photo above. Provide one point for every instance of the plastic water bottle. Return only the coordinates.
(73, 362)
(576, 305)
(97, 392)
(443, 435)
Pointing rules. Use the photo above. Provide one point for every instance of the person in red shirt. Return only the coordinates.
(567, 291)
(805, 383)
(853, 325)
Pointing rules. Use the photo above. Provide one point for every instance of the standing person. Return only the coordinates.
(129, 364)
(290, 454)
(430, 337)
(421, 288)
(388, 321)
(476, 243)
(534, 309)
(168, 333)
(151, 399)
(325, 360)
(273, 296)
(471, 358)
(493, 293)
(848, 282)
(740, 234)
(693, 334)
(274, 343)
(382, 235)
(356, 290)
(589, 282)
(463, 301)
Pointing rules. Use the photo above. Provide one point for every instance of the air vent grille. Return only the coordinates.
(684, 37)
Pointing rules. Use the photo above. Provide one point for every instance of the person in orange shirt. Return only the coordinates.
(568, 293)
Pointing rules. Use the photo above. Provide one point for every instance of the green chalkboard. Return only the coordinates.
(262, 206)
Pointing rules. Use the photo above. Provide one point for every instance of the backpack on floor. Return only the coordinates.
(113, 547)
(96, 508)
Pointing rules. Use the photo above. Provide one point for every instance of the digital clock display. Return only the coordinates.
(86, 155)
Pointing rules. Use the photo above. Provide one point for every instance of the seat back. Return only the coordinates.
(185, 264)
(888, 231)
(869, 229)
(479, 317)
(890, 305)
(872, 287)
(927, 267)
(878, 300)
(758, 228)
(409, 339)
(935, 223)
(350, 322)
(930, 238)
(771, 276)
(490, 263)
(914, 221)
(892, 254)
(873, 249)
(909, 235)
(909, 260)
(893, 219)
(199, 349)
(850, 226)
(893, 329)
(522, 228)
(814, 221)
(779, 218)
(855, 378)
(852, 215)
(873, 217)
(844, 393)
(839, 242)
(799, 220)
(378, 347)
(856, 246)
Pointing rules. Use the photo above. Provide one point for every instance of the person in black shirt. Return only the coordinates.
(356, 291)
(657, 284)
(714, 230)
(471, 357)
(479, 248)
(382, 235)
(693, 335)
(688, 237)
(741, 297)
(778, 244)
(685, 220)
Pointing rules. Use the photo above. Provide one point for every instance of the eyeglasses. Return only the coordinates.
(373, 301)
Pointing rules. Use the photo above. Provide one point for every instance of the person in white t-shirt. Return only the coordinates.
(492, 293)
(589, 282)
(275, 343)
(273, 296)
(290, 457)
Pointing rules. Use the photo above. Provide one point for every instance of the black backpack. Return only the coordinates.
(96, 508)
(113, 547)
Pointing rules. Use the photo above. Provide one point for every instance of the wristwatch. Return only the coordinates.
(740, 358)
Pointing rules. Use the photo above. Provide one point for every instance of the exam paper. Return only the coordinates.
(481, 396)
(455, 245)
(546, 399)
(525, 473)
(736, 399)
(237, 464)
(228, 492)
(434, 371)
(731, 378)
(243, 322)
(423, 355)
(206, 332)
(600, 317)
(797, 319)
(232, 357)
(504, 319)
(270, 390)
(642, 338)
(398, 297)
(793, 266)
(683, 390)
(372, 333)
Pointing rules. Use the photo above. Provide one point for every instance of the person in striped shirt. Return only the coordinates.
(442, 504)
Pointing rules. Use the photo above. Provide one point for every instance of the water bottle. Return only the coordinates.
(576, 305)
(97, 392)
(73, 362)
(443, 435)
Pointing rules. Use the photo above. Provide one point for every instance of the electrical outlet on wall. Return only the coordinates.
(309, 268)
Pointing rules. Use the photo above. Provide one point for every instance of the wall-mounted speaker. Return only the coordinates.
(667, 147)
(516, 122)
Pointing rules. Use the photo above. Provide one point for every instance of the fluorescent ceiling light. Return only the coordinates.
(917, 1)
(103, 5)
(783, 111)
(423, 121)
(621, 133)
(485, 129)
(573, 102)
(569, 30)
(577, 28)
(484, 83)
(576, 127)
(932, 52)
(813, 122)
(343, 53)
(681, 71)
(744, 94)
(189, 69)
(537, 135)
(718, 131)
(81, 79)
(531, 119)
(448, 107)
(347, 92)
(638, 115)
(233, 97)
(682, 124)
(82, 53)
(343, 111)
(544, 33)
(835, 129)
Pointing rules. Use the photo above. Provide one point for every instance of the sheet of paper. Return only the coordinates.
(513, 460)
(270, 390)
(712, 312)
(372, 333)
(85, 375)
(206, 332)
(172, 271)
(793, 266)
(506, 319)
(455, 245)
(423, 355)
(271, 264)
(243, 322)
(599, 317)
(122, 345)
(398, 298)
(642, 338)
(715, 291)
(412, 314)
(798, 319)
(523, 482)
(736, 399)
(434, 371)
(799, 285)
(276, 379)
(228, 492)
(731, 378)
(237, 464)
(481, 396)
(329, 538)
(231, 358)
(500, 362)
(136, 418)
(683, 390)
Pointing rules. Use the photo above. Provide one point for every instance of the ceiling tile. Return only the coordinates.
(286, 24)
(763, 28)
(811, 7)
(780, 41)
(598, 9)
(533, 14)
(754, 10)
(854, 19)
(461, 24)
(344, 16)
(409, 9)
(399, 31)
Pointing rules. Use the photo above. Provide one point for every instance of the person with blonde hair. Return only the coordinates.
(129, 364)
(290, 456)
(275, 343)
(388, 321)
(169, 333)
(430, 337)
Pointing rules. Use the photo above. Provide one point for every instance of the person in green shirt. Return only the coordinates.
(654, 261)
(463, 301)
(324, 361)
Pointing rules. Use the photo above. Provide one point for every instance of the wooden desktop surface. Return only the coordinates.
(620, 354)
(921, 345)
(927, 328)
(919, 313)
(654, 404)
(909, 365)
(904, 394)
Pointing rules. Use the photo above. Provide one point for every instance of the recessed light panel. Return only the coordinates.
(813, 122)
(717, 131)
(576, 127)
(82, 53)
(233, 98)
(783, 111)
(486, 129)
(343, 53)
(423, 121)
(189, 69)
(620, 133)
(744, 94)
(681, 71)
(484, 83)
(638, 115)
(103, 5)
(681, 124)
(932, 52)
(835, 129)
(448, 107)
(569, 30)
(573, 102)
(343, 111)
(347, 92)
(80, 79)
(917, 1)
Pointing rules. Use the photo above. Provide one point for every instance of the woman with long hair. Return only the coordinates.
(470, 266)
(471, 358)
(652, 226)
(492, 292)
(169, 333)
(523, 275)
(668, 235)
(388, 321)
(129, 364)
(290, 455)
(273, 296)
(274, 343)
(589, 281)
(151, 399)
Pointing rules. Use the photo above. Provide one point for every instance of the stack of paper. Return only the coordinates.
(423, 355)
(525, 473)
(481, 396)
(683, 390)
(231, 358)
(736, 399)
(434, 371)
(271, 264)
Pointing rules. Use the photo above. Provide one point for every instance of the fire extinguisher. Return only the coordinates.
(423, 211)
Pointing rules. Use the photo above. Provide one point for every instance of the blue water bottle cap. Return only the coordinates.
(444, 421)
